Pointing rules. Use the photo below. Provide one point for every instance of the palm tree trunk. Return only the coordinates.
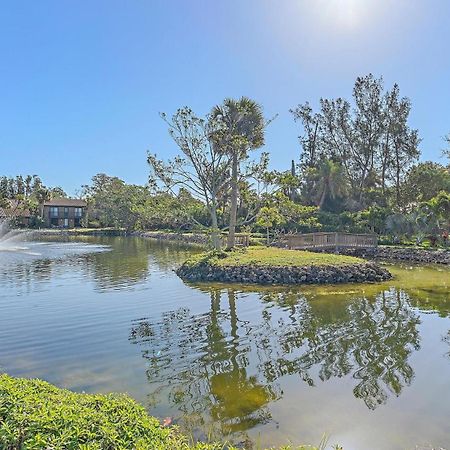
(323, 197)
(292, 192)
(233, 202)
(215, 238)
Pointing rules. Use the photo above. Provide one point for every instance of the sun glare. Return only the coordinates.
(342, 14)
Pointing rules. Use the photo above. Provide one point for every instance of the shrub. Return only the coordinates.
(36, 415)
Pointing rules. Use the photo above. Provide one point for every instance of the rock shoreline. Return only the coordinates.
(351, 273)
(400, 254)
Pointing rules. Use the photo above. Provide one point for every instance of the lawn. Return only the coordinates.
(271, 256)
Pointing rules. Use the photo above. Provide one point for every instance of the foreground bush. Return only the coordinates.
(35, 415)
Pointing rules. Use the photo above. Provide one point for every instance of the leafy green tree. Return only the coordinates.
(269, 217)
(292, 216)
(28, 193)
(288, 182)
(373, 219)
(203, 169)
(424, 181)
(296, 216)
(25, 186)
(241, 130)
(162, 210)
(57, 192)
(113, 203)
(434, 216)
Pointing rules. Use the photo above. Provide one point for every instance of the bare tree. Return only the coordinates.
(202, 168)
(369, 137)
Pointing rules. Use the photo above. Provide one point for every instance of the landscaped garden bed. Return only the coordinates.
(268, 265)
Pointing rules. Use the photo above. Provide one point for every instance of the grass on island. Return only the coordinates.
(271, 256)
(36, 415)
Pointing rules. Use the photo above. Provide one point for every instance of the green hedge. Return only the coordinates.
(36, 415)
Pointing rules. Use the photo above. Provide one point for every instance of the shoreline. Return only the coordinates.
(271, 266)
(286, 275)
(405, 254)
(388, 253)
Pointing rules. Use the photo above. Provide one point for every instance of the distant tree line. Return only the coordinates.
(357, 170)
(21, 193)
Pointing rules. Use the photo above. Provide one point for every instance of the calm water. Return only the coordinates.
(367, 365)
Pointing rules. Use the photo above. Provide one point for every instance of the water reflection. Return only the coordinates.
(119, 263)
(447, 340)
(369, 339)
(230, 360)
(203, 363)
(225, 371)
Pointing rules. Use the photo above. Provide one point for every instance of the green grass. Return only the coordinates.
(35, 415)
(271, 256)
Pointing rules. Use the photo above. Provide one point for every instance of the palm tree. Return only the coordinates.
(241, 129)
(43, 195)
(330, 181)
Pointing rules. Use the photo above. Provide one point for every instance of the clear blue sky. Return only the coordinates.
(82, 81)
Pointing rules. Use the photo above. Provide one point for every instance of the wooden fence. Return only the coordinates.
(329, 240)
(241, 240)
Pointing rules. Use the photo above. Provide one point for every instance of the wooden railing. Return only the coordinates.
(329, 240)
(240, 240)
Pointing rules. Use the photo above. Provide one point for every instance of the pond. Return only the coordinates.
(366, 365)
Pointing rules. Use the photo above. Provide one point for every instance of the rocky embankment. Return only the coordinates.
(352, 273)
(400, 254)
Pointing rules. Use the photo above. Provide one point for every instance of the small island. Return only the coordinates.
(269, 265)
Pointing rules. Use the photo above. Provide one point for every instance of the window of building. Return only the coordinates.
(54, 211)
(66, 212)
(78, 212)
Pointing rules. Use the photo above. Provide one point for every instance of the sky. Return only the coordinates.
(82, 82)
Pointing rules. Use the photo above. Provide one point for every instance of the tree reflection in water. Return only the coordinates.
(128, 262)
(447, 339)
(221, 372)
(370, 340)
(203, 363)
